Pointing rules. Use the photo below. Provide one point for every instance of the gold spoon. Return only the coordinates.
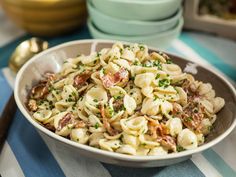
(26, 50)
(23, 52)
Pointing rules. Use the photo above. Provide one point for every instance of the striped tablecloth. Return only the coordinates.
(25, 153)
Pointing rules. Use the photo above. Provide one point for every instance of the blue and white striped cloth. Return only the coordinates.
(25, 153)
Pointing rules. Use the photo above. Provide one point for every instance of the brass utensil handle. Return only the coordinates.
(6, 119)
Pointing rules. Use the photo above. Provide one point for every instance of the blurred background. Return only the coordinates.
(153, 22)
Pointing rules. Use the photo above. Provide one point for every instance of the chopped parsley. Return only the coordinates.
(136, 63)
(195, 110)
(123, 108)
(168, 61)
(98, 54)
(121, 51)
(117, 97)
(141, 47)
(69, 100)
(96, 125)
(73, 93)
(188, 119)
(103, 71)
(147, 64)
(155, 97)
(41, 102)
(210, 128)
(164, 83)
(95, 100)
(157, 76)
(180, 148)
(50, 89)
(111, 111)
(157, 64)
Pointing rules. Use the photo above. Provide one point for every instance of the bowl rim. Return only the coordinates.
(141, 2)
(174, 18)
(119, 156)
(179, 25)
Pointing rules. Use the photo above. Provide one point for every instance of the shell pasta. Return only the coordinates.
(127, 100)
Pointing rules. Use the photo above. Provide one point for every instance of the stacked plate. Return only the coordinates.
(153, 22)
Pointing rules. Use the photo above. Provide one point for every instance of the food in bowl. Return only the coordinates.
(126, 100)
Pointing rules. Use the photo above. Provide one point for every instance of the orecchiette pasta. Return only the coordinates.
(175, 126)
(187, 139)
(158, 151)
(123, 99)
(79, 135)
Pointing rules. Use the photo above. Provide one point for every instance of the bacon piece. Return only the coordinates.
(168, 142)
(50, 127)
(39, 91)
(177, 110)
(107, 125)
(67, 119)
(80, 124)
(192, 115)
(156, 129)
(120, 75)
(81, 78)
(193, 121)
(110, 80)
(162, 129)
(32, 105)
(118, 104)
(50, 76)
(160, 133)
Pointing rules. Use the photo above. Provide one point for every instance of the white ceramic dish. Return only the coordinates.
(161, 40)
(138, 9)
(52, 60)
(117, 26)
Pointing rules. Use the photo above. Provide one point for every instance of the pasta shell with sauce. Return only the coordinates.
(79, 135)
(129, 104)
(187, 139)
(42, 115)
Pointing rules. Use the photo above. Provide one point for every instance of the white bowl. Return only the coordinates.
(128, 28)
(138, 9)
(161, 40)
(52, 60)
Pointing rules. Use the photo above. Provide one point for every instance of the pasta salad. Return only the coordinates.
(126, 99)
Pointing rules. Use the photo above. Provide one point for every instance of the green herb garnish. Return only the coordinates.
(188, 119)
(180, 148)
(117, 97)
(157, 64)
(168, 61)
(157, 76)
(164, 83)
(96, 125)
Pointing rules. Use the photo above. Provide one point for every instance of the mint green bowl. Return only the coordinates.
(160, 40)
(138, 9)
(117, 26)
